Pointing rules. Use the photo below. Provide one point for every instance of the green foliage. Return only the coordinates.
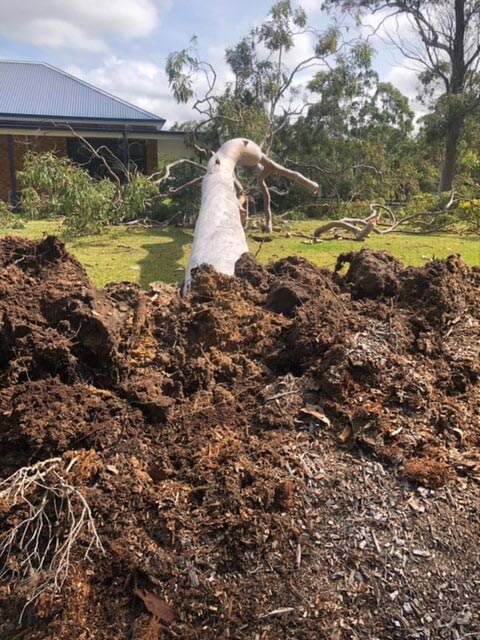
(327, 42)
(278, 31)
(136, 198)
(8, 219)
(357, 139)
(242, 117)
(179, 67)
(421, 202)
(463, 215)
(468, 215)
(358, 133)
(354, 209)
(443, 41)
(182, 208)
(256, 103)
(54, 187)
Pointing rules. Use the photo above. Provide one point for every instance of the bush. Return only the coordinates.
(184, 206)
(462, 215)
(8, 219)
(54, 187)
(468, 214)
(137, 197)
(355, 209)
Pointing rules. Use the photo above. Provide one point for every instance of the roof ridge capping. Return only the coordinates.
(149, 115)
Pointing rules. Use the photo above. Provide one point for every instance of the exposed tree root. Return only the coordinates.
(54, 516)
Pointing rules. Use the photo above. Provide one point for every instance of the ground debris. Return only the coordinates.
(286, 454)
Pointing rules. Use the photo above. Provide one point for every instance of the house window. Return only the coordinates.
(120, 154)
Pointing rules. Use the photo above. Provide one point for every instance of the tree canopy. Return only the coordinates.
(331, 115)
(442, 39)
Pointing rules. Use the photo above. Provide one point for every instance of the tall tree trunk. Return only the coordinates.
(450, 153)
(219, 238)
(457, 86)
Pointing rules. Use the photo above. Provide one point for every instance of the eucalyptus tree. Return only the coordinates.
(355, 130)
(442, 38)
(265, 93)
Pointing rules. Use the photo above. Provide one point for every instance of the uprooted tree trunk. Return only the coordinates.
(219, 238)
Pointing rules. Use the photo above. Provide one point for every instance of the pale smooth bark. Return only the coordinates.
(219, 239)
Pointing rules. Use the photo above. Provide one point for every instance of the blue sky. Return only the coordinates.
(121, 45)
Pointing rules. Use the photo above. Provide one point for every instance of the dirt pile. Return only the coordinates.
(288, 454)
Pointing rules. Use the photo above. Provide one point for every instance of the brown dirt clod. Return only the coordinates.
(285, 454)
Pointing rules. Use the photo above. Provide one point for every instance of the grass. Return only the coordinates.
(146, 255)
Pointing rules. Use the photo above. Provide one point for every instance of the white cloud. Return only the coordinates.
(302, 49)
(406, 80)
(383, 30)
(140, 82)
(85, 25)
(386, 26)
(298, 98)
(313, 8)
(145, 84)
(216, 57)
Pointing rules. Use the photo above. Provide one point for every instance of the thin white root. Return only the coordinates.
(54, 517)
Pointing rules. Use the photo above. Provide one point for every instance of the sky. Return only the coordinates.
(121, 45)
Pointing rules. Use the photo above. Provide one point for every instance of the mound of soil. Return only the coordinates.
(286, 454)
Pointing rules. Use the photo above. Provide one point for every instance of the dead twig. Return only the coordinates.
(168, 170)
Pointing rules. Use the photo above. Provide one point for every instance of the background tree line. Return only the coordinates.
(353, 133)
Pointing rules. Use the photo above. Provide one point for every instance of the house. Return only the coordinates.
(44, 109)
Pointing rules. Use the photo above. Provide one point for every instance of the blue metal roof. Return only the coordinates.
(38, 90)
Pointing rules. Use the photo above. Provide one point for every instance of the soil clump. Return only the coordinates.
(286, 454)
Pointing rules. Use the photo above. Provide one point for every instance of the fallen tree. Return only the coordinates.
(219, 238)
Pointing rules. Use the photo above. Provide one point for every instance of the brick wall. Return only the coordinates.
(20, 145)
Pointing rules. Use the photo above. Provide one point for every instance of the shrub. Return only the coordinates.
(8, 219)
(55, 187)
(137, 197)
(468, 214)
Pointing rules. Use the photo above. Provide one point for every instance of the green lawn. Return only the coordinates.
(146, 255)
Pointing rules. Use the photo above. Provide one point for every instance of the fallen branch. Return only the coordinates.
(168, 170)
(96, 154)
(176, 191)
(343, 224)
(362, 228)
(269, 167)
(267, 199)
